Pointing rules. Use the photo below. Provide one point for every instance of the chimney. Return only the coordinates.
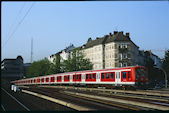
(115, 32)
(128, 34)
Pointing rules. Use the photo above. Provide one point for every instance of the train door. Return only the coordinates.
(118, 78)
(83, 77)
(98, 77)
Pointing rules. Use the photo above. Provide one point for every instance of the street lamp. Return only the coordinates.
(165, 77)
(164, 74)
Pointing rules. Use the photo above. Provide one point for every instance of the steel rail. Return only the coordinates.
(112, 90)
(16, 100)
(67, 104)
(142, 104)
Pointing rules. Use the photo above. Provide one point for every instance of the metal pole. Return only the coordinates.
(165, 77)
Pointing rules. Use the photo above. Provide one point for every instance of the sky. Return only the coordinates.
(55, 25)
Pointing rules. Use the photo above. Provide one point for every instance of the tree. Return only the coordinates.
(56, 66)
(38, 68)
(76, 62)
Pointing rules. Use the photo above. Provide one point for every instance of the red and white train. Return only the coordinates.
(125, 76)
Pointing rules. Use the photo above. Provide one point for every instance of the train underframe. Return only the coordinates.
(104, 86)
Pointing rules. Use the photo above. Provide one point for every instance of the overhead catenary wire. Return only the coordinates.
(18, 25)
(15, 20)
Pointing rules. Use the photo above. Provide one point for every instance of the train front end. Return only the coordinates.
(141, 77)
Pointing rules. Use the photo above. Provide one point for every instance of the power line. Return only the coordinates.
(18, 24)
(15, 19)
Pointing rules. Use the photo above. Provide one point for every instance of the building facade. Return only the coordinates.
(12, 68)
(63, 53)
(155, 58)
(113, 50)
(110, 51)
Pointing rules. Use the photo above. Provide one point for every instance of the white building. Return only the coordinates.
(113, 50)
(63, 53)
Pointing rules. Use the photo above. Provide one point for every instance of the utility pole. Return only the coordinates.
(31, 50)
(165, 72)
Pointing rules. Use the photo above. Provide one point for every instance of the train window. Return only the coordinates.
(47, 79)
(52, 79)
(107, 75)
(94, 76)
(124, 74)
(90, 76)
(58, 78)
(79, 76)
(68, 77)
(87, 76)
(76, 76)
(102, 75)
(42, 79)
(112, 75)
(73, 77)
(140, 72)
(129, 75)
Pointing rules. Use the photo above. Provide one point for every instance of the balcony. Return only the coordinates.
(125, 60)
(122, 50)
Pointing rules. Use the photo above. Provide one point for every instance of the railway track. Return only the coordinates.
(137, 92)
(76, 100)
(85, 98)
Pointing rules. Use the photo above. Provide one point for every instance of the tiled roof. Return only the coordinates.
(96, 42)
(118, 37)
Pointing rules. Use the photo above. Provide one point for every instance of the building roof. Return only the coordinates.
(149, 53)
(116, 37)
(91, 43)
(67, 49)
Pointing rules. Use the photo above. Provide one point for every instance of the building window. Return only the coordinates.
(112, 46)
(119, 56)
(119, 65)
(119, 46)
(124, 55)
(124, 45)
(125, 64)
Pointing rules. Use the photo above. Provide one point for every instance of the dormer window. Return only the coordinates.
(119, 46)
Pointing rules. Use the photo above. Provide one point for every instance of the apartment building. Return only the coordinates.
(109, 51)
(63, 53)
(113, 50)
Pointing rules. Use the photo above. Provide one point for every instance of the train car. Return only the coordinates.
(133, 76)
